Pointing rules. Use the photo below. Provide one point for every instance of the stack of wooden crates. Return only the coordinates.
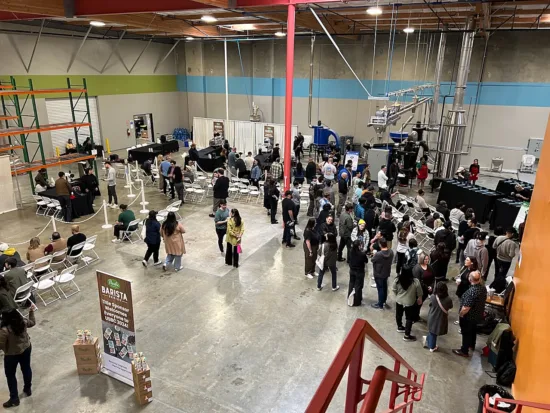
(142, 384)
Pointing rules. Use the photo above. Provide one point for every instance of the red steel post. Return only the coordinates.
(291, 22)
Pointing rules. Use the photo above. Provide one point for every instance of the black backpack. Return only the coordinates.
(506, 373)
(412, 261)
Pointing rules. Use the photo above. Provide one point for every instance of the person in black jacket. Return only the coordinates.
(469, 234)
(329, 250)
(152, 239)
(342, 192)
(444, 210)
(274, 195)
(462, 227)
(240, 166)
(446, 236)
(371, 219)
(357, 262)
(328, 227)
(220, 190)
(387, 227)
(392, 174)
(311, 171)
(276, 153)
(193, 153)
(90, 184)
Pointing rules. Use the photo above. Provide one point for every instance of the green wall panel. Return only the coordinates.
(102, 85)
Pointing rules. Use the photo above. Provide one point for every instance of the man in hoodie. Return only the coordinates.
(346, 227)
(7, 252)
(506, 249)
(387, 227)
(476, 248)
(381, 268)
(447, 236)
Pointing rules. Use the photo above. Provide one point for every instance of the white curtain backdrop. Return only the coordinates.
(245, 135)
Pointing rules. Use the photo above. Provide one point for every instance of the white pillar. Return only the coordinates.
(127, 176)
(144, 209)
(106, 225)
(53, 225)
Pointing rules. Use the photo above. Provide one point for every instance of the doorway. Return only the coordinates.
(143, 127)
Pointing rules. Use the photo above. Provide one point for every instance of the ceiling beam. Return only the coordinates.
(44, 7)
(10, 16)
(105, 7)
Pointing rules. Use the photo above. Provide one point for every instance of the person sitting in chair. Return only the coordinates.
(70, 147)
(124, 219)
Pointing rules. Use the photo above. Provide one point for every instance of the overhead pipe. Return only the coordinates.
(432, 119)
(310, 102)
(407, 108)
(406, 123)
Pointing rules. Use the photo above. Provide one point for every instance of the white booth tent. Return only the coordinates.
(246, 136)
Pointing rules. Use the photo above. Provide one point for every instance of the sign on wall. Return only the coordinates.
(218, 128)
(269, 132)
(117, 320)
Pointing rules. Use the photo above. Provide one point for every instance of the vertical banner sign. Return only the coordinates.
(269, 132)
(218, 128)
(354, 156)
(117, 319)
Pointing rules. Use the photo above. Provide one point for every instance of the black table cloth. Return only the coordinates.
(209, 158)
(507, 186)
(479, 198)
(153, 150)
(81, 204)
(505, 213)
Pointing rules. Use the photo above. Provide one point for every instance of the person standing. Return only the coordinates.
(63, 191)
(177, 179)
(220, 190)
(255, 174)
(474, 172)
(152, 239)
(296, 198)
(381, 268)
(220, 219)
(328, 251)
(383, 178)
(386, 226)
(403, 237)
(89, 183)
(231, 161)
(476, 248)
(16, 345)
(346, 225)
(408, 295)
(422, 174)
(311, 245)
(172, 233)
(240, 166)
(440, 257)
(462, 228)
(165, 171)
(249, 161)
(235, 231)
(111, 185)
(298, 146)
(299, 173)
(276, 170)
(424, 273)
(462, 281)
(276, 153)
(288, 218)
(438, 315)
(274, 194)
(357, 261)
(328, 171)
(393, 175)
(311, 171)
(506, 248)
(193, 153)
(342, 192)
(472, 306)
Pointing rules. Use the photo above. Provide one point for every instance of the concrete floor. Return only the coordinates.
(256, 339)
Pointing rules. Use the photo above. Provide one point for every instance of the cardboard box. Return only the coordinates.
(86, 369)
(143, 388)
(82, 359)
(89, 348)
(144, 398)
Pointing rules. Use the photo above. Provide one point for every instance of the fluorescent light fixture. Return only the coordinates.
(189, 38)
(97, 24)
(208, 19)
(408, 30)
(243, 27)
(280, 34)
(374, 11)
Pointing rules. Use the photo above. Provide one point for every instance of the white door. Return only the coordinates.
(59, 111)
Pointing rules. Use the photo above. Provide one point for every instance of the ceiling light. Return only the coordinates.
(208, 19)
(189, 38)
(408, 30)
(97, 24)
(280, 34)
(243, 27)
(374, 11)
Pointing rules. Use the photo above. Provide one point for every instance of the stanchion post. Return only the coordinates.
(143, 202)
(106, 225)
(53, 224)
(131, 194)
(127, 176)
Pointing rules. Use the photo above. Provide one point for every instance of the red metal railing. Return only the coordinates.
(351, 355)
(520, 404)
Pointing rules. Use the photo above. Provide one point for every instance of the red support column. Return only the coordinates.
(288, 98)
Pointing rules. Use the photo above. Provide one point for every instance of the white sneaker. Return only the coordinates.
(144, 263)
(336, 289)
(315, 274)
(116, 241)
(373, 285)
(179, 269)
(157, 263)
(310, 276)
(114, 206)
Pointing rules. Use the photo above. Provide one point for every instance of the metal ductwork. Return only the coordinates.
(451, 137)
(433, 125)
(310, 102)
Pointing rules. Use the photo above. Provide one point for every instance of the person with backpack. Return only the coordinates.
(358, 260)
(438, 315)
(361, 233)
(408, 294)
(403, 237)
(152, 239)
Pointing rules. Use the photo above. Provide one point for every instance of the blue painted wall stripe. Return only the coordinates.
(491, 93)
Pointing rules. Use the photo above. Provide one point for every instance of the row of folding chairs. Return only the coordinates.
(48, 207)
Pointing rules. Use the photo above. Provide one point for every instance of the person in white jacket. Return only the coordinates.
(361, 233)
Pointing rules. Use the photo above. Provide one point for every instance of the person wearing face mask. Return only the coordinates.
(476, 248)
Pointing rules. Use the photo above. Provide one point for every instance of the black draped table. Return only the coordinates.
(153, 150)
(479, 198)
(507, 186)
(209, 158)
(81, 204)
(505, 213)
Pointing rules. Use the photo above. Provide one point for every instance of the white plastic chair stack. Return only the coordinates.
(41, 205)
(46, 285)
(66, 278)
(527, 163)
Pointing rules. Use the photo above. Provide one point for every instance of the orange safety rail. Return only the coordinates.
(8, 118)
(6, 87)
(23, 168)
(38, 92)
(520, 404)
(350, 355)
(43, 128)
(6, 148)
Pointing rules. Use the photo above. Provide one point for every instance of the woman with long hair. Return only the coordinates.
(311, 245)
(425, 274)
(235, 231)
(16, 345)
(440, 258)
(329, 250)
(357, 261)
(35, 250)
(177, 178)
(403, 237)
(438, 315)
(172, 233)
(462, 228)
(462, 281)
(299, 173)
(408, 295)
(152, 239)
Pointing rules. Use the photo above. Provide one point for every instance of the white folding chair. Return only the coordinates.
(49, 205)
(89, 246)
(59, 258)
(174, 207)
(75, 257)
(58, 214)
(23, 294)
(42, 265)
(199, 197)
(66, 277)
(189, 194)
(47, 285)
(41, 205)
(254, 193)
(127, 234)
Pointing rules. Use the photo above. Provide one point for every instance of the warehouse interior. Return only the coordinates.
(260, 338)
